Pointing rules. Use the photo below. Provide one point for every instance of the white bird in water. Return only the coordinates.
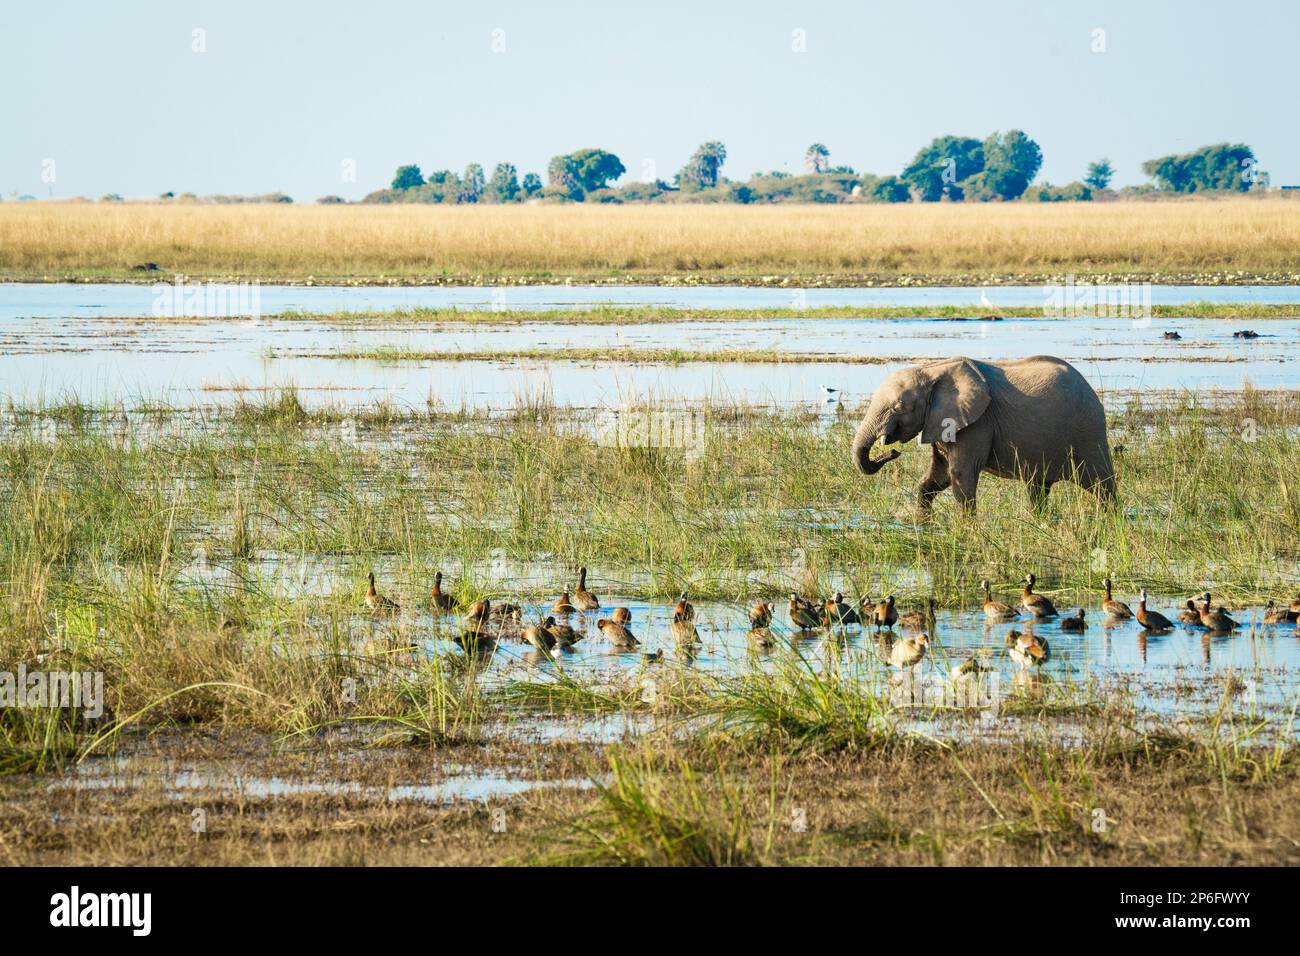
(984, 300)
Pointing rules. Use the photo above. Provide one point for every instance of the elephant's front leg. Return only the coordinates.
(936, 479)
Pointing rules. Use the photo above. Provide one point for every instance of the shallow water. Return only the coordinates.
(76, 299)
(1184, 672)
(204, 362)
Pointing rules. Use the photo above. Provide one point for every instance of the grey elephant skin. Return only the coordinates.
(1036, 420)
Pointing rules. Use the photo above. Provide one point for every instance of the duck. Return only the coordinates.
(804, 613)
(1038, 605)
(685, 608)
(1151, 620)
(377, 602)
(1027, 650)
(617, 634)
(837, 612)
(971, 667)
(919, 620)
(908, 651)
(1278, 615)
(583, 599)
(621, 615)
(1215, 618)
(506, 613)
(760, 615)
(1190, 614)
(683, 630)
(539, 636)
(886, 614)
(564, 635)
(442, 602)
(477, 616)
(996, 610)
(761, 638)
(1074, 622)
(1116, 610)
(563, 604)
(1295, 605)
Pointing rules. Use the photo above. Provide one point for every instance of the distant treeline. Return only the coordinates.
(1001, 167)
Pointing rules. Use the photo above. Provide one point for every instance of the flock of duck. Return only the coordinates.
(484, 623)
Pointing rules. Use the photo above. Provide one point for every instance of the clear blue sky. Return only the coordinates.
(285, 93)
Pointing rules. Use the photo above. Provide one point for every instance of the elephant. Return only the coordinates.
(1035, 419)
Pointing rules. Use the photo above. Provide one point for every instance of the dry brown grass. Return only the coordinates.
(1205, 240)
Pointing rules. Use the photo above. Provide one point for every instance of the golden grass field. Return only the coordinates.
(1199, 241)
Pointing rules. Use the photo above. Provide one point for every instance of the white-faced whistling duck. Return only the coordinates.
(684, 607)
(1215, 618)
(838, 613)
(477, 616)
(617, 634)
(1151, 620)
(1190, 614)
(683, 629)
(538, 636)
(583, 599)
(622, 615)
(1115, 609)
(996, 610)
(563, 604)
(919, 620)
(886, 614)
(1027, 650)
(909, 651)
(1038, 605)
(804, 614)
(1278, 615)
(376, 601)
(1074, 622)
(442, 602)
(760, 615)
(564, 635)
(1295, 605)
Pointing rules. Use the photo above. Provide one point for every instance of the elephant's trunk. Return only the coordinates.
(867, 435)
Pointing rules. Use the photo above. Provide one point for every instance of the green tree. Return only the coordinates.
(890, 189)
(504, 184)
(1011, 161)
(562, 176)
(1099, 175)
(472, 184)
(583, 171)
(817, 158)
(408, 177)
(594, 168)
(701, 170)
(1221, 166)
(532, 184)
(942, 165)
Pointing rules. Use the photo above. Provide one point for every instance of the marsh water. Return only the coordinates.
(100, 343)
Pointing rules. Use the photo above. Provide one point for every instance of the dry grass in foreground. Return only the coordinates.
(1207, 241)
(666, 804)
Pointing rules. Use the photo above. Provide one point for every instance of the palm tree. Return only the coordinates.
(817, 158)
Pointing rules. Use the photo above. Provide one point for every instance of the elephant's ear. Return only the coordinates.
(959, 394)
